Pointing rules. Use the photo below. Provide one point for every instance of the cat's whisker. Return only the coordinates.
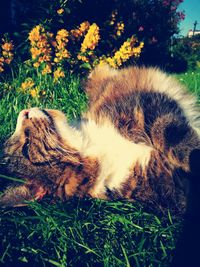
(56, 144)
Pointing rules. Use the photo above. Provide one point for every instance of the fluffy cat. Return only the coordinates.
(139, 140)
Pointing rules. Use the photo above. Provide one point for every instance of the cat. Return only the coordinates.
(139, 140)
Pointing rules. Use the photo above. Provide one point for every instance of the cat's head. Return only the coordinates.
(37, 153)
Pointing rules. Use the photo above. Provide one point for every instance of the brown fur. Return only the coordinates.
(140, 113)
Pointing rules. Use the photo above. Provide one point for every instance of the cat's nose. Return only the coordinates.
(29, 114)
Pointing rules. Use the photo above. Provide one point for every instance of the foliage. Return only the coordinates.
(70, 51)
(153, 22)
(186, 53)
(191, 80)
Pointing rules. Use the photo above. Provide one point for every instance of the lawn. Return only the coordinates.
(81, 232)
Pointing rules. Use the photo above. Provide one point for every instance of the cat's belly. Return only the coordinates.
(117, 156)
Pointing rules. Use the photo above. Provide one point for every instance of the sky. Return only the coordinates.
(192, 13)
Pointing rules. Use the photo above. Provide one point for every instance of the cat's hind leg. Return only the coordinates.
(178, 140)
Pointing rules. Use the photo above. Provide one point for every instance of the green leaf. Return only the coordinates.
(86, 65)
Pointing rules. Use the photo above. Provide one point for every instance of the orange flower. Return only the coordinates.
(40, 45)
(84, 26)
(7, 54)
(7, 46)
(61, 43)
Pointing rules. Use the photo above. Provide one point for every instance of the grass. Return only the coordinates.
(191, 80)
(81, 232)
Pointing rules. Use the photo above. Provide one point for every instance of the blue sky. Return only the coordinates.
(192, 13)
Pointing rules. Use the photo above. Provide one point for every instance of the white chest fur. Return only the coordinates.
(115, 154)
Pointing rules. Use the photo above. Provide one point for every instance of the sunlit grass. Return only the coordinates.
(191, 80)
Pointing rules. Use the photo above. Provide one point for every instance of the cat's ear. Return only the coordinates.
(20, 195)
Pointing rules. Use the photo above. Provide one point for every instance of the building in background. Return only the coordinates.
(193, 33)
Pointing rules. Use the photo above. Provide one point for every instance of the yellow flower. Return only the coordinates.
(47, 69)
(34, 92)
(56, 60)
(83, 58)
(42, 93)
(119, 28)
(91, 39)
(62, 35)
(36, 64)
(41, 50)
(61, 43)
(113, 17)
(84, 26)
(61, 55)
(58, 73)
(126, 51)
(35, 34)
(27, 84)
(35, 52)
(111, 62)
(60, 11)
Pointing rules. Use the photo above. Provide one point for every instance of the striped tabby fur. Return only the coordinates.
(139, 140)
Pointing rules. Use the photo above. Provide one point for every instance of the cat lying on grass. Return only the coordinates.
(139, 140)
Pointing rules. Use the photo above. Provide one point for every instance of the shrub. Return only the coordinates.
(153, 22)
(186, 53)
(72, 51)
